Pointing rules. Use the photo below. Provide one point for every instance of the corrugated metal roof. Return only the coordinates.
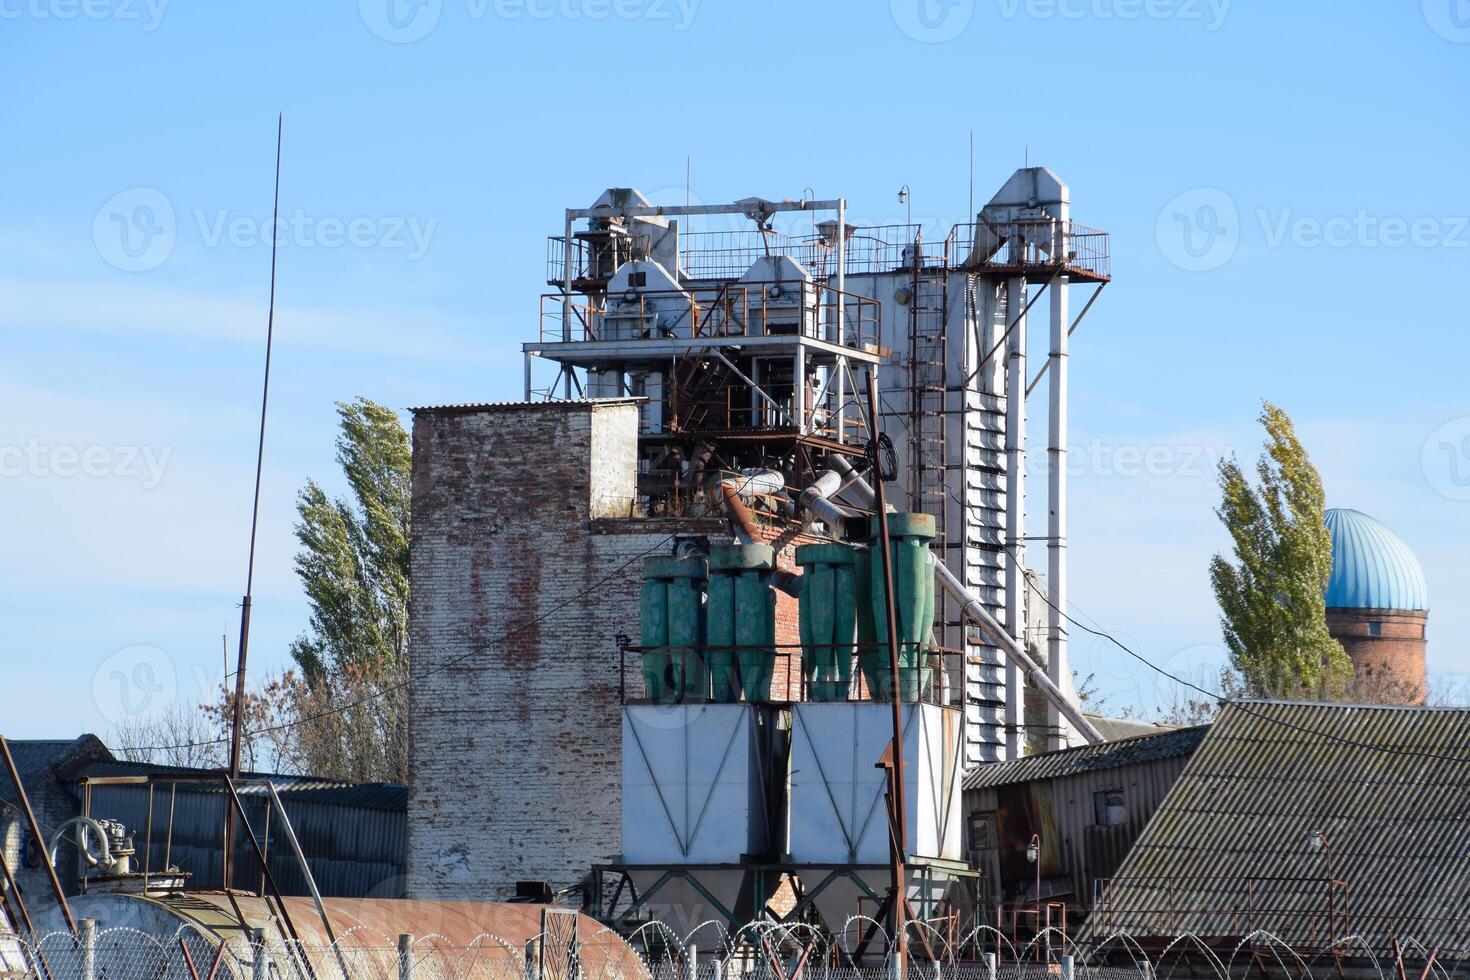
(495, 406)
(39, 759)
(372, 796)
(1228, 853)
(1170, 744)
(1372, 568)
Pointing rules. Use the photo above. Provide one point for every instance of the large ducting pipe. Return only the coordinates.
(727, 494)
(973, 609)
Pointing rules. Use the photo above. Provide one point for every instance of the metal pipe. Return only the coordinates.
(817, 499)
(727, 498)
(842, 274)
(35, 828)
(665, 210)
(974, 609)
(290, 831)
(1057, 666)
(275, 891)
(900, 824)
(1015, 577)
(84, 822)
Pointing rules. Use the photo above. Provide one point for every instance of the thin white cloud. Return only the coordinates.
(135, 309)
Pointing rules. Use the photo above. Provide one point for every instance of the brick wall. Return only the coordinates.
(515, 746)
(1388, 667)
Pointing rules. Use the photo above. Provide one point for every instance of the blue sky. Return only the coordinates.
(1284, 183)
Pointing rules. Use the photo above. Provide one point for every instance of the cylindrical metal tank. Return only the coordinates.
(909, 536)
(828, 619)
(488, 938)
(741, 612)
(672, 608)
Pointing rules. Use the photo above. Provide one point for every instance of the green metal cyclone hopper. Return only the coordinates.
(741, 612)
(673, 629)
(828, 618)
(909, 536)
(871, 654)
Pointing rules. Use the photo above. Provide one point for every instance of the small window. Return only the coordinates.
(637, 279)
(1109, 808)
(1375, 629)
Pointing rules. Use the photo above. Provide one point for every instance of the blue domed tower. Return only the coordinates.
(1378, 607)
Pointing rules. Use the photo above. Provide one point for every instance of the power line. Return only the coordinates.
(1212, 695)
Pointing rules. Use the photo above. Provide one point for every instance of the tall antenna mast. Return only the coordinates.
(265, 390)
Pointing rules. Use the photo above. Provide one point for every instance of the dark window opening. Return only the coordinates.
(1375, 629)
(1109, 809)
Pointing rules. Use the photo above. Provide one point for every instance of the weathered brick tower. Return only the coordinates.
(1378, 608)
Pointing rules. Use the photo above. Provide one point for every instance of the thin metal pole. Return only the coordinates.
(35, 828)
(168, 841)
(899, 817)
(295, 845)
(237, 715)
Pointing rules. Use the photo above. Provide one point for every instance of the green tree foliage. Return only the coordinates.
(353, 561)
(1271, 598)
(349, 702)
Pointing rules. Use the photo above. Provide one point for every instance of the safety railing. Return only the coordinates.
(755, 309)
(1034, 246)
(785, 673)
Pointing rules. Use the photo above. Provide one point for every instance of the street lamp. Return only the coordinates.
(1317, 843)
(1033, 854)
(903, 198)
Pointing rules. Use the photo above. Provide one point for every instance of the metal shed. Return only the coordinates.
(354, 833)
(1087, 804)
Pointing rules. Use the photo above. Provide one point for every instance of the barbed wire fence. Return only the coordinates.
(761, 951)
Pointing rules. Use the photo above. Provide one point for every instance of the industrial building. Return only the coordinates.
(693, 470)
(1083, 807)
(354, 832)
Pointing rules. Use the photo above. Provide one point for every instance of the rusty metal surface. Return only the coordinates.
(376, 923)
(1179, 743)
(1228, 851)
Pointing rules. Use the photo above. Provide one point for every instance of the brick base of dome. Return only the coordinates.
(1388, 666)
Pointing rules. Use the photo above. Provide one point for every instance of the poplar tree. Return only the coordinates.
(1271, 597)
